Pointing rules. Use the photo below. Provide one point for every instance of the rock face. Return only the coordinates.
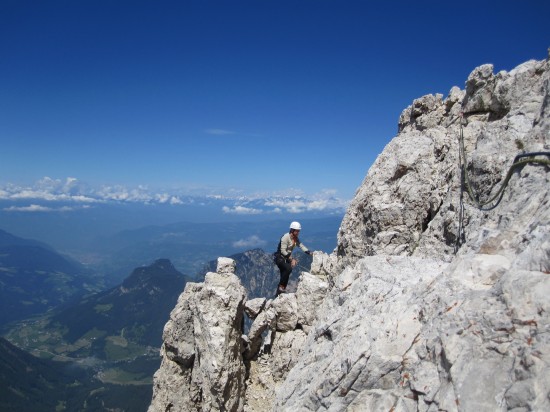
(410, 325)
(428, 303)
(202, 366)
(207, 362)
(409, 201)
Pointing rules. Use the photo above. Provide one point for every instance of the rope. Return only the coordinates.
(465, 183)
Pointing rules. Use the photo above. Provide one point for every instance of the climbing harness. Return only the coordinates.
(466, 185)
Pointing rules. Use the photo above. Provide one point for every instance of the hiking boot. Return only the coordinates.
(280, 290)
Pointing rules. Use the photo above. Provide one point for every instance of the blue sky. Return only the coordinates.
(236, 96)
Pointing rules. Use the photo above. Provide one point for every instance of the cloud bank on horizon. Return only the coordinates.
(254, 94)
(70, 194)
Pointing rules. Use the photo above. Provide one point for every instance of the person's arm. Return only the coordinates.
(303, 247)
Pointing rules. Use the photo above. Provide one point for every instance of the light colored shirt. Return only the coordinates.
(287, 245)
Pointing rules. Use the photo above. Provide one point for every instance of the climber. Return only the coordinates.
(283, 259)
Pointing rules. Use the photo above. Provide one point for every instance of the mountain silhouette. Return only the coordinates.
(28, 383)
(34, 278)
(135, 311)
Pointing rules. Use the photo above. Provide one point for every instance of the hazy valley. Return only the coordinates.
(97, 325)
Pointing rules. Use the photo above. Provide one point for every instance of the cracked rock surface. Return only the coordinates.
(427, 302)
(411, 326)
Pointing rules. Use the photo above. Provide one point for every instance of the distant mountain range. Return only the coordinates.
(31, 384)
(99, 237)
(107, 343)
(134, 312)
(34, 278)
(259, 274)
(73, 222)
(121, 323)
(7, 239)
(191, 245)
(115, 334)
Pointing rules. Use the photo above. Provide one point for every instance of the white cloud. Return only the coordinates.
(71, 191)
(162, 197)
(291, 206)
(318, 205)
(45, 195)
(174, 200)
(123, 194)
(219, 132)
(322, 201)
(241, 210)
(49, 190)
(250, 242)
(38, 208)
(31, 208)
(68, 186)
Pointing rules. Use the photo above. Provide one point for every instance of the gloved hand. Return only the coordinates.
(309, 252)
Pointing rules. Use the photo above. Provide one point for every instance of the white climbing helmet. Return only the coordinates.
(296, 226)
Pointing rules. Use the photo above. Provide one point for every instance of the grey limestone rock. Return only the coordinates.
(409, 324)
(225, 266)
(428, 303)
(202, 366)
(254, 306)
(265, 321)
(286, 307)
(309, 296)
(409, 202)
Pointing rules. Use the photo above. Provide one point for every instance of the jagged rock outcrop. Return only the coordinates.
(409, 202)
(401, 332)
(287, 321)
(205, 356)
(428, 303)
(202, 366)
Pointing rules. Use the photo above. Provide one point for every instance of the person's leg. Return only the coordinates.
(285, 274)
(285, 268)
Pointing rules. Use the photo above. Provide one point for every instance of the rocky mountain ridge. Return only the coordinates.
(111, 338)
(32, 384)
(35, 278)
(428, 303)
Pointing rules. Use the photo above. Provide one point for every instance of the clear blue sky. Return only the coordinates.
(254, 95)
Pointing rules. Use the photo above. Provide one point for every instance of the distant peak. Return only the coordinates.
(163, 263)
(147, 275)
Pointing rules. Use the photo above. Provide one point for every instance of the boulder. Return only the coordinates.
(266, 320)
(286, 307)
(309, 296)
(254, 306)
(226, 266)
